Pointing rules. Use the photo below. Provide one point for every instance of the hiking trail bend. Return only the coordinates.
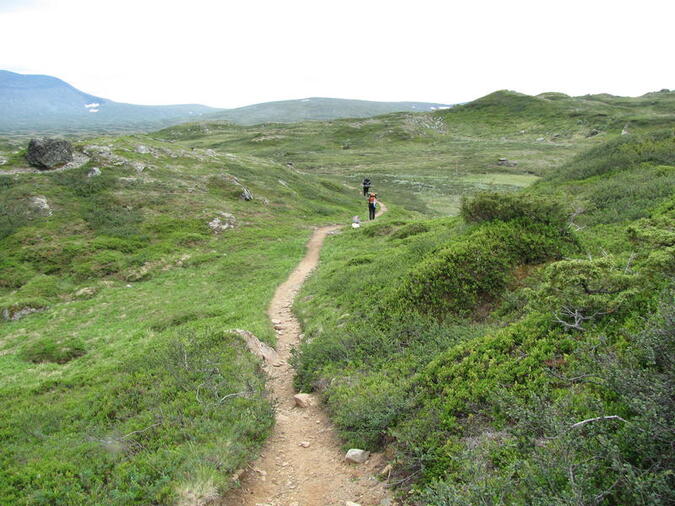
(302, 463)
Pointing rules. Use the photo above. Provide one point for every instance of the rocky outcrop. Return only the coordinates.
(246, 194)
(12, 314)
(506, 163)
(40, 205)
(49, 153)
(222, 222)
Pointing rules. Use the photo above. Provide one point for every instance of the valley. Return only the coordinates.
(528, 245)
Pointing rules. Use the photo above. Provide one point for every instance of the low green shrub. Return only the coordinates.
(475, 270)
(51, 349)
(621, 153)
(107, 216)
(77, 182)
(513, 206)
(410, 230)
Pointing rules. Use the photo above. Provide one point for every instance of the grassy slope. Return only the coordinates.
(113, 394)
(427, 162)
(102, 376)
(476, 395)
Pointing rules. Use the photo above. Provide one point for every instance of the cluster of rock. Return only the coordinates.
(14, 314)
(222, 222)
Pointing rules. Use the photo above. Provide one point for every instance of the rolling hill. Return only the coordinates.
(40, 103)
(513, 347)
(317, 108)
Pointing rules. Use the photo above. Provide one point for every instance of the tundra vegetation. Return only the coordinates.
(504, 332)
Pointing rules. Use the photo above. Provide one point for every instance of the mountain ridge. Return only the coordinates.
(41, 103)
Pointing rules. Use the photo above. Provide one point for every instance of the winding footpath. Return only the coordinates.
(302, 463)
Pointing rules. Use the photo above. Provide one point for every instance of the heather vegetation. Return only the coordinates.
(504, 333)
(520, 353)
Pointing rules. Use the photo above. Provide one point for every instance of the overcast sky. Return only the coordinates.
(231, 53)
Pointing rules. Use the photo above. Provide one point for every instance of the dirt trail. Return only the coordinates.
(290, 472)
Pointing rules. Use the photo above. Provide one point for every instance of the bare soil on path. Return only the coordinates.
(302, 463)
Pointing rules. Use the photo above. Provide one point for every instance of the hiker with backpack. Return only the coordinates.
(372, 205)
(366, 186)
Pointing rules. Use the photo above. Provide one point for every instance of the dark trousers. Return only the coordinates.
(365, 190)
(371, 211)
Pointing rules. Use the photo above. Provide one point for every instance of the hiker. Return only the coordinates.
(356, 222)
(372, 205)
(366, 186)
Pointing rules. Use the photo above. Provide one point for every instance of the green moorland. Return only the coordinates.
(124, 386)
(427, 162)
(521, 353)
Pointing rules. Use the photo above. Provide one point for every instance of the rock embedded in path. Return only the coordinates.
(357, 456)
(303, 400)
(257, 347)
(350, 503)
(47, 153)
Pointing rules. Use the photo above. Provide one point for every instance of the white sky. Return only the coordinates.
(231, 53)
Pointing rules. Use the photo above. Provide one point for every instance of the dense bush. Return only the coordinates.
(50, 349)
(475, 270)
(513, 206)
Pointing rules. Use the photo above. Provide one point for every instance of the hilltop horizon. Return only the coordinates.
(42, 103)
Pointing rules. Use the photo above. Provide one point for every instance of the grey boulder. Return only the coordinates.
(49, 153)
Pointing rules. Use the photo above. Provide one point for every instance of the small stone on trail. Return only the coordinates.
(349, 503)
(304, 444)
(357, 456)
(303, 400)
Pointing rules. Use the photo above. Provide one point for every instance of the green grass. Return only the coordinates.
(126, 387)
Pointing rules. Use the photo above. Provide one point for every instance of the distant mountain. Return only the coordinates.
(317, 108)
(39, 103)
(43, 103)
